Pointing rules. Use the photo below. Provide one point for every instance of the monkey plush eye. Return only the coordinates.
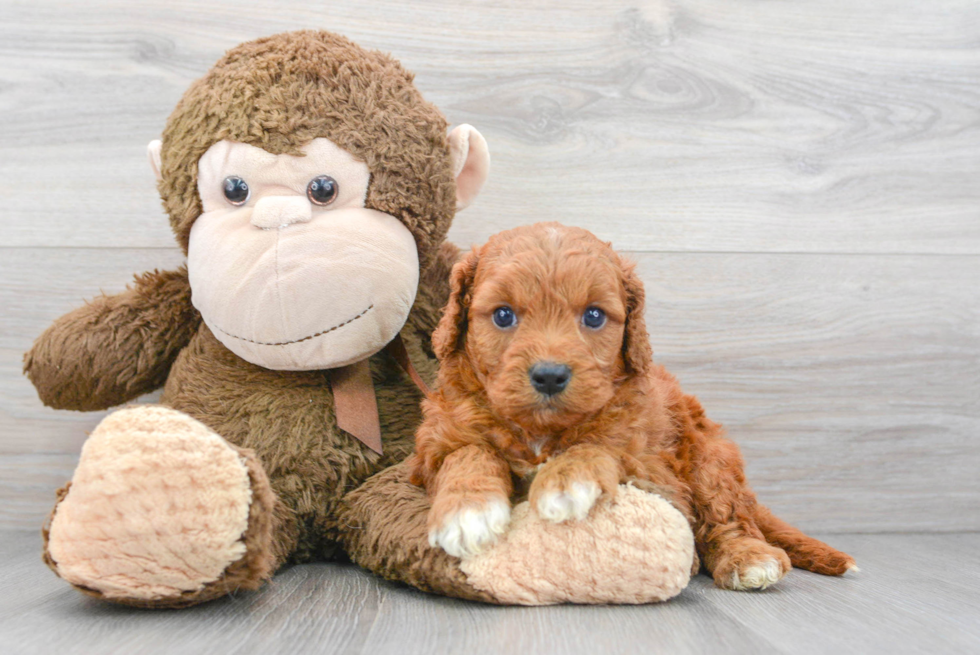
(322, 190)
(236, 190)
(594, 318)
(504, 317)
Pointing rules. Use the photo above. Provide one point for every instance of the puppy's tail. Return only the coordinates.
(804, 552)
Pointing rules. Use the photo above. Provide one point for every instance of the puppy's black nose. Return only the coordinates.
(550, 378)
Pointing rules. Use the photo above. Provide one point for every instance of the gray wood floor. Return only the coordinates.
(915, 593)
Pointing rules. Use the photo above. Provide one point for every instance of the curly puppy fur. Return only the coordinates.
(488, 431)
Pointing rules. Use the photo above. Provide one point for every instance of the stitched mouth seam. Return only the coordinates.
(312, 336)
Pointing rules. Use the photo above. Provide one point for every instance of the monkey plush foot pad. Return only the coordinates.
(158, 507)
(636, 548)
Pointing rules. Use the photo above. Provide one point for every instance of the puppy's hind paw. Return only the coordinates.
(574, 502)
(471, 530)
(759, 575)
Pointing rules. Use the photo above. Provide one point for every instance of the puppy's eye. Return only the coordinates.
(594, 318)
(504, 317)
(236, 190)
(322, 190)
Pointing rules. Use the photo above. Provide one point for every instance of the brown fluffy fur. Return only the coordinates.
(620, 417)
(280, 92)
(276, 93)
(114, 348)
(385, 532)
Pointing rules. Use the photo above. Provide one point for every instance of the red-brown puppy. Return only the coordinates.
(547, 373)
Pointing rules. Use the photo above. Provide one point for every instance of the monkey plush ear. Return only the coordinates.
(153, 153)
(447, 338)
(471, 163)
(637, 353)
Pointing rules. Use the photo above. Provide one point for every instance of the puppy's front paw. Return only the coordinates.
(470, 529)
(571, 502)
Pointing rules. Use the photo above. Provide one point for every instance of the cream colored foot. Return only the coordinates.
(157, 507)
(635, 548)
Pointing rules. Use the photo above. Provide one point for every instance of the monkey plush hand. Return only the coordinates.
(311, 187)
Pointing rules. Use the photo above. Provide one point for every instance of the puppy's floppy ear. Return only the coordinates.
(637, 353)
(448, 335)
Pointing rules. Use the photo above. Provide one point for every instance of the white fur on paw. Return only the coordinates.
(758, 576)
(471, 530)
(572, 503)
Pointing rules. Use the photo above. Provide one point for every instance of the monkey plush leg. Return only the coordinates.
(384, 525)
(162, 512)
(633, 548)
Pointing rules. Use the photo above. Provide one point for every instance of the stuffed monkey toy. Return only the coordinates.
(311, 188)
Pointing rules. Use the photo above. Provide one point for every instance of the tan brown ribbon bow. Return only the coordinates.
(355, 404)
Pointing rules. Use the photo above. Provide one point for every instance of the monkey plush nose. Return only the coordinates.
(274, 212)
(550, 378)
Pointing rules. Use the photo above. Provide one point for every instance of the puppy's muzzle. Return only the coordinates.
(550, 378)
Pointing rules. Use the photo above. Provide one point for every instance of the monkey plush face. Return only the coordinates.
(310, 184)
(288, 268)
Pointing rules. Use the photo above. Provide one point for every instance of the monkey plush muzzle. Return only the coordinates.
(295, 280)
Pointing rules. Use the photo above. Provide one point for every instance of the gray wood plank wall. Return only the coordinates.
(799, 182)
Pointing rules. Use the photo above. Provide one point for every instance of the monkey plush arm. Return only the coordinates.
(114, 348)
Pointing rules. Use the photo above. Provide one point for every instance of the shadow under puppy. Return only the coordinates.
(547, 387)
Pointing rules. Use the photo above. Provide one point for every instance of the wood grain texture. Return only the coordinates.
(851, 382)
(313, 608)
(675, 125)
(36, 287)
(915, 594)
